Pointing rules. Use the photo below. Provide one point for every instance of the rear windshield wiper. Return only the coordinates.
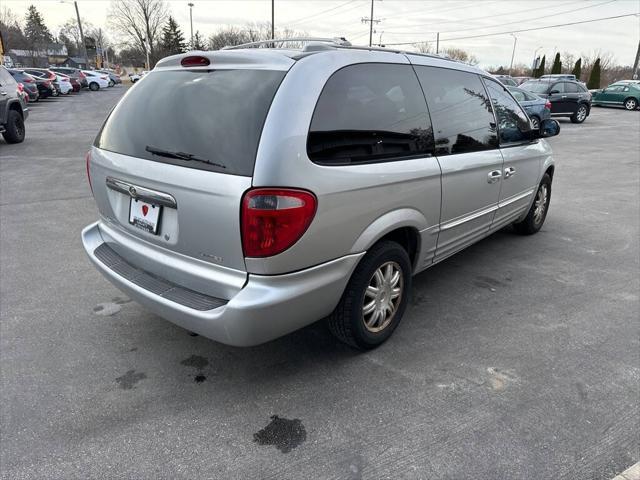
(180, 156)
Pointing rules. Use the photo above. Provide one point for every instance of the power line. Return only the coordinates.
(308, 17)
(484, 4)
(514, 22)
(485, 16)
(522, 30)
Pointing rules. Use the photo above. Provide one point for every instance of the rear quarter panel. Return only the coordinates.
(357, 204)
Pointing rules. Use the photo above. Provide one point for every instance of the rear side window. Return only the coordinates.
(570, 88)
(369, 113)
(557, 88)
(460, 110)
(208, 119)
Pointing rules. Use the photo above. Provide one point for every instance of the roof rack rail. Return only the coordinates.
(336, 41)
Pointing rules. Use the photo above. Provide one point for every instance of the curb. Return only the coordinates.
(631, 473)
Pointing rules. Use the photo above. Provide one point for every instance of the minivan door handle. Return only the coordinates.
(509, 172)
(494, 176)
(142, 193)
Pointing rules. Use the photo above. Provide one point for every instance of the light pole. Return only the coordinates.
(191, 21)
(84, 45)
(515, 39)
(533, 64)
(380, 39)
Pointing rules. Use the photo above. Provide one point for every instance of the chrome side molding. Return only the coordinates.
(142, 193)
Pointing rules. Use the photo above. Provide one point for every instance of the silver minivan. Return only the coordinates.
(248, 192)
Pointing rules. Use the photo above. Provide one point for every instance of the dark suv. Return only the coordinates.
(568, 98)
(72, 73)
(12, 113)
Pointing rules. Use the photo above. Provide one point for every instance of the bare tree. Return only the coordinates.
(460, 55)
(424, 47)
(252, 32)
(140, 23)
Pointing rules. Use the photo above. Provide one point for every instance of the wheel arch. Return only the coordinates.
(402, 226)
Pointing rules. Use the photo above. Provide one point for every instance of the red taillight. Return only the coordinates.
(88, 162)
(103, 78)
(20, 88)
(547, 105)
(82, 75)
(27, 80)
(194, 61)
(273, 219)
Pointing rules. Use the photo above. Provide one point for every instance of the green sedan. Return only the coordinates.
(624, 94)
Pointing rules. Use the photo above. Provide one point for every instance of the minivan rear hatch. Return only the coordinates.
(172, 161)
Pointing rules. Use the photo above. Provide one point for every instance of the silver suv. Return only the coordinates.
(246, 193)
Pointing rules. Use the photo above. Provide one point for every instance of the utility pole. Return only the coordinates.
(634, 72)
(515, 39)
(84, 45)
(370, 21)
(191, 21)
(437, 43)
(273, 26)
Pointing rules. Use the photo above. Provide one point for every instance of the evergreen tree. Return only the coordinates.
(37, 33)
(594, 78)
(577, 69)
(540, 70)
(557, 65)
(172, 38)
(198, 42)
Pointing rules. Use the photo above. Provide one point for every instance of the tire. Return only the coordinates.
(535, 122)
(94, 87)
(631, 104)
(14, 129)
(580, 115)
(111, 83)
(348, 322)
(535, 218)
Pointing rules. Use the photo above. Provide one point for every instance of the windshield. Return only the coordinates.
(214, 117)
(536, 87)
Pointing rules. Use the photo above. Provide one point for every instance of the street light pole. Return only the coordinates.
(371, 25)
(191, 21)
(273, 19)
(533, 64)
(515, 39)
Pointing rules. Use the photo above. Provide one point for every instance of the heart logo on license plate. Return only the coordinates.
(145, 209)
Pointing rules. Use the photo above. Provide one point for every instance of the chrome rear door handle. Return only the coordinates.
(494, 176)
(509, 172)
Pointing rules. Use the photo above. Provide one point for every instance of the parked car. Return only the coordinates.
(251, 199)
(13, 112)
(75, 84)
(45, 74)
(114, 78)
(73, 73)
(558, 76)
(506, 80)
(568, 98)
(637, 82)
(537, 108)
(64, 84)
(45, 87)
(23, 95)
(626, 95)
(134, 77)
(521, 80)
(96, 80)
(28, 82)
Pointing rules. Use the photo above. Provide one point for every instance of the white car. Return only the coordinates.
(134, 77)
(96, 80)
(64, 83)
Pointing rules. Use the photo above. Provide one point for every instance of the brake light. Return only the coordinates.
(103, 78)
(27, 80)
(20, 88)
(547, 105)
(194, 61)
(82, 75)
(88, 162)
(274, 219)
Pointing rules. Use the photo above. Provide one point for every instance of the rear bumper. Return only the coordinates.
(267, 307)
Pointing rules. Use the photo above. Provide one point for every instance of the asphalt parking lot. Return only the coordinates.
(518, 358)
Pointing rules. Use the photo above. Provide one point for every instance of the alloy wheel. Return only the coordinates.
(582, 113)
(630, 104)
(382, 297)
(540, 205)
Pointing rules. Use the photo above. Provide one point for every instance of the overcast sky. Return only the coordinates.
(409, 21)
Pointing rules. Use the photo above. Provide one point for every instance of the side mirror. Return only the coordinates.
(554, 91)
(549, 128)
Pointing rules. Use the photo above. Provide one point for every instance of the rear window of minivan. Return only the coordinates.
(211, 119)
